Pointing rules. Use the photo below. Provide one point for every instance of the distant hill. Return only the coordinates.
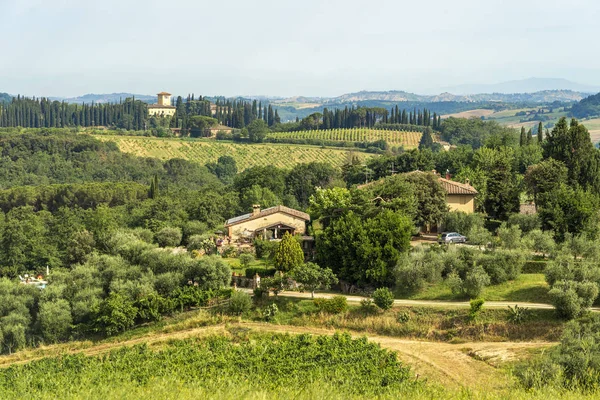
(530, 85)
(588, 107)
(397, 96)
(5, 97)
(106, 98)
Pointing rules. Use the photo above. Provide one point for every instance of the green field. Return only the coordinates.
(393, 138)
(246, 155)
(508, 117)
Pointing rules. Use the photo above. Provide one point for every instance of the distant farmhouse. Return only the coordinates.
(163, 108)
(459, 196)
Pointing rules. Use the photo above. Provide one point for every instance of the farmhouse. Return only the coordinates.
(270, 223)
(459, 196)
(213, 130)
(163, 108)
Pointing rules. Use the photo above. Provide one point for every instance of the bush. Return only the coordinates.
(534, 267)
(461, 222)
(571, 298)
(262, 272)
(475, 308)
(246, 259)
(517, 314)
(525, 222)
(265, 248)
(168, 237)
(270, 311)
(367, 306)
(479, 236)
(502, 265)
(384, 298)
(475, 282)
(239, 303)
(335, 305)
(403, 317)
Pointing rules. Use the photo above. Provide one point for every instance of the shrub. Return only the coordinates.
(541, 242)
(239, 303)
(479, 235)
(459, 221)
(168, 237)
(475, 282)
(510, 236)
(503, 265)
(534, 267)
(367, 306)
(384, 298)
(117, 314)
(246, 259)
(525, 222)
(571, 298)
(403, 317)
(475, 308)
(264, 248)
(270, 311)
(455, 283)
(517, 314)
(262, 272)
(335, 305)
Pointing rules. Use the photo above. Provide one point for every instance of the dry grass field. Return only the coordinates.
(477, 113)
(246, 155)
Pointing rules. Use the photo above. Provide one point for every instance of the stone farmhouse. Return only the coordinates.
(270, 223)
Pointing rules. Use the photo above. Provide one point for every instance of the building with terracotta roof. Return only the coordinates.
(459, 196)
(270, 223)
(163, 107)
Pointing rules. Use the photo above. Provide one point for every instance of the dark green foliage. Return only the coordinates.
(475, 308)
(366, 251)
(116, 314)
(168, 237)
(262, 272)
(384, 298)
(588, 107)
(475, 132)
(571, 144)
(289, 254)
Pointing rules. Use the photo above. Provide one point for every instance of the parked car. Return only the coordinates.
(452, 237)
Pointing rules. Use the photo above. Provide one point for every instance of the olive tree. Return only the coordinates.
(311, 277)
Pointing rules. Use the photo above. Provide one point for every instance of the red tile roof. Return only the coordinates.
(163, 94)
(265, 212)
(453, 187)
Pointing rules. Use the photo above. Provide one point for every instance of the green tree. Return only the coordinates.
(116, 314)
(289, 254)
(257, 130)
(55, 320)
(540, 133)
(169, 237)
(426, 141)
(311, 277)
(572, 146)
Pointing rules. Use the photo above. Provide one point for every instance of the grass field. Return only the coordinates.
(530, 288)
(246, 155)
(393, 138)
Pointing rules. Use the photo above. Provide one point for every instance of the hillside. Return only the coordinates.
(588, 107)
(5, 97)
(529, 85)
(364, 135)
(246, 155)
(106, 98)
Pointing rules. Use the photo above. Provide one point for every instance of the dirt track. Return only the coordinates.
(469, 364)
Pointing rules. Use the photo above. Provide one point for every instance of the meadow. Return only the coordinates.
(393, 138)
(246, 155)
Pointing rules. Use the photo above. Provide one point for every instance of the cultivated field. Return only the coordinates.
(477, 113)
(246, 155)
(393, 138)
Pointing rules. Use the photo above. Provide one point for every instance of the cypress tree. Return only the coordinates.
(540, 133)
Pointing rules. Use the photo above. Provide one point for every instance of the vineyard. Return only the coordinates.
(246, 155)
(215, 366)
(392, 137)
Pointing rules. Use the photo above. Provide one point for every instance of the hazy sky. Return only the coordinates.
(300, 47)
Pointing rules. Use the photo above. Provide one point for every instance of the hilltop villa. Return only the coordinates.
(163, 108)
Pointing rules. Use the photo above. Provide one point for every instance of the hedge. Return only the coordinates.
(534, 267)
(262, 272)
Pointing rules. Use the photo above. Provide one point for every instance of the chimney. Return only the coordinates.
(255, 209)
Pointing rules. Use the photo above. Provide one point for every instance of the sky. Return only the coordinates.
(287, 48)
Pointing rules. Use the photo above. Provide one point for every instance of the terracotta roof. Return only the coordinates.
(159, 106)
(453, 187)
(265, 212)
(163, 94)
